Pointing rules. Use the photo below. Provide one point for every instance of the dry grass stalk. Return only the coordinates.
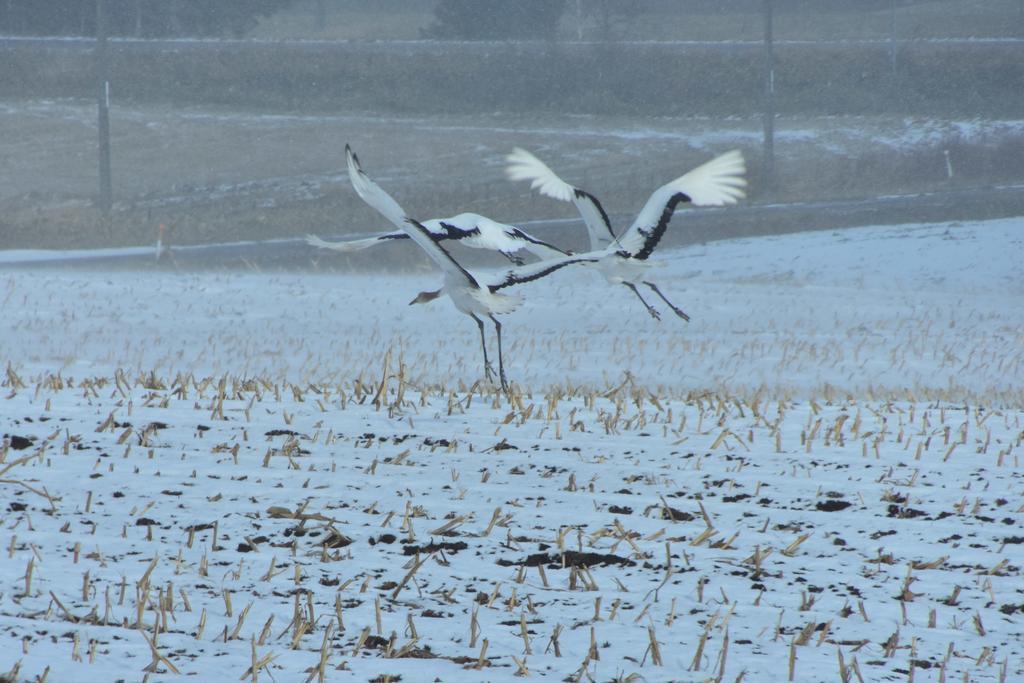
(410, 628)
(361, 641)
(158, 658)
(844, 671)
(524, 633)
(978, 626)
(722, 657)
(17, 482)
(791, 549)
(703, 536)
(378, 399)
(998, 568)
(521, 669)
(320, 670)
(377, 615)
(653, 647)
(699, 654)
(241, 620)
(482, 660)
(891, 644)
(805, 634)
(452, 524)
(553, 641)
(29, 570)
(823, 636)
(474, 626)
(226, 595)
(513, 600)
(778, 627)
(201, 626)
(67, 615)
(415, 567)
(543, 575)
(265, 631)
(494, 520)
(494, 594)
(257, 663)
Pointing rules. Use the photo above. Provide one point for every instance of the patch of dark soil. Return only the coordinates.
(20, 443)
(434, 547)
(576, 559)
(901, 512)
(832, 505)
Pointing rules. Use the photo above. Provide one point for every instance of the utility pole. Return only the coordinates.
(320, 15)
(768, 168)
(103, 101)
(892, 36)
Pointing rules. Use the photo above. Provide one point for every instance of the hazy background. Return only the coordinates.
(228, 119)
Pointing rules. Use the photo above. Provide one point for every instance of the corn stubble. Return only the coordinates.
(658, 582)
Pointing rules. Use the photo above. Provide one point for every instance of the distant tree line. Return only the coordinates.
(146, 18)
(539, 19)
(453, 19)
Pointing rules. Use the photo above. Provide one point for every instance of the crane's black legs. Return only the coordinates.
(675, 309)
(501, 363)
(488, 371)
(650, 309)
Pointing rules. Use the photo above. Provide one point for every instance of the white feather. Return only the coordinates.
(524, 166)
(715, 183)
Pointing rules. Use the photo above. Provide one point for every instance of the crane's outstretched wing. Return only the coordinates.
(537, 247)
(385, 204)
(537, 270)
(717, 182)
(524, 166)
(481, 232)
(470, 229)
(348, 246)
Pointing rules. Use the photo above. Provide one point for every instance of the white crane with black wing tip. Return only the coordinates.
(624, 260)
(469, 229)
(476, 295)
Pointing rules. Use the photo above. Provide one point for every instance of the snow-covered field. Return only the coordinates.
(818, 478)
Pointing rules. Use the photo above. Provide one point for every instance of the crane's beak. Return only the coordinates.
(425, 297)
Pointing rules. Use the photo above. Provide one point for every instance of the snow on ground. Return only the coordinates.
(923, 308)
(820, 475)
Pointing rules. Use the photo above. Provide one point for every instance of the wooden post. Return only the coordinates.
(103, 101)
(768, 168)
(320, 15)
(892, 37)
